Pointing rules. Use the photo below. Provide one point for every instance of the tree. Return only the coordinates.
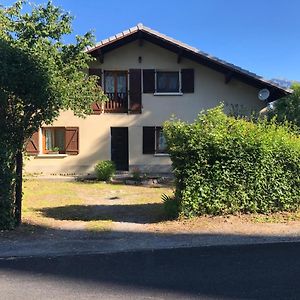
(40, 75)
(288, 108)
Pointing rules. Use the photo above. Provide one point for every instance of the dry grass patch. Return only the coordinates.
(98, 226)
(232, 225)
(283, 217)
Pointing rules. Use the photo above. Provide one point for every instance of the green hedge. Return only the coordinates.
(225, 165)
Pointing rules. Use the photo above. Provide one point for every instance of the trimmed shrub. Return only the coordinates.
(105, 170)
(225, 165)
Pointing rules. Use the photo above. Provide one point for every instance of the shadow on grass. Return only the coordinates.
(141, 213)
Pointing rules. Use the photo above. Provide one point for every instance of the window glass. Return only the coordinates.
(54, 138)
(48, 139)
(167, 82)
(109, 83)
(116, 84)
(161, 145)
(121, 83)
(60, 138)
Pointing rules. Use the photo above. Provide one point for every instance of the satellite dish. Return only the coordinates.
(263, 94)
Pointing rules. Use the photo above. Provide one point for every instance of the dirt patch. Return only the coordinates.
(282, 224)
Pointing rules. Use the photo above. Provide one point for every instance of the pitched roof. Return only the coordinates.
(229, 70)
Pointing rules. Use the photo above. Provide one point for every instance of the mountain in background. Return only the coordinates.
(284, 83)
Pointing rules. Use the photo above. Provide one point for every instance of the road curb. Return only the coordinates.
(69, 248)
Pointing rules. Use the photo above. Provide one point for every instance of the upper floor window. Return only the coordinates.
(115, 82)
(168, 82)
(115, 87)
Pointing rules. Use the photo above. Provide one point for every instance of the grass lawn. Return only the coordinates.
(52, 208)
(89, 205)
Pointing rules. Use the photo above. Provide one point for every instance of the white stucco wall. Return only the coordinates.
(94, 131)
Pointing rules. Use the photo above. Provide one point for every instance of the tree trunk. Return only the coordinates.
(19, 180)
(7, 185)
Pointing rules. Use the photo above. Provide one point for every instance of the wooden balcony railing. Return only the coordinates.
(118, 103)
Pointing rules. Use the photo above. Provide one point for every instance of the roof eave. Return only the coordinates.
(141, 32)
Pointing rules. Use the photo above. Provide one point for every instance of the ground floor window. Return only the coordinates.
(160, 141)
(154, 141)
(54, 140)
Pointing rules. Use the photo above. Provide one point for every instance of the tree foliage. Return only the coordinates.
(40, 76)
(288, 108)
(226, 165)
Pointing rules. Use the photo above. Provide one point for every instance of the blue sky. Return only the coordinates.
(261, 36)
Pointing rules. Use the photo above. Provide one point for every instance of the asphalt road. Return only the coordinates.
(270, 271)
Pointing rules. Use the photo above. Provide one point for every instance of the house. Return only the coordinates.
(148, 77)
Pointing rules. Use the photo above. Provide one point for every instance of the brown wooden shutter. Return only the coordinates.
(149, 81)
(72, 140)
(135, 91)
(187, 80)
(32, 146)
(96, 107)
(149, 140)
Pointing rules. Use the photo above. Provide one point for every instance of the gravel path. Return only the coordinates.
(125, 236)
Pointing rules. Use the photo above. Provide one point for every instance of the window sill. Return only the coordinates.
(162, 154)
(51, 155)
(168, 94)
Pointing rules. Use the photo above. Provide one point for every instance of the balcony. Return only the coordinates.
(118, 103)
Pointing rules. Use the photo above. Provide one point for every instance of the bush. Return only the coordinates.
(105, 170)
(226, 165)
(136, 174)
(171, 206)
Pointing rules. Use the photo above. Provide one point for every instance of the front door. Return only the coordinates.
(119, 147)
